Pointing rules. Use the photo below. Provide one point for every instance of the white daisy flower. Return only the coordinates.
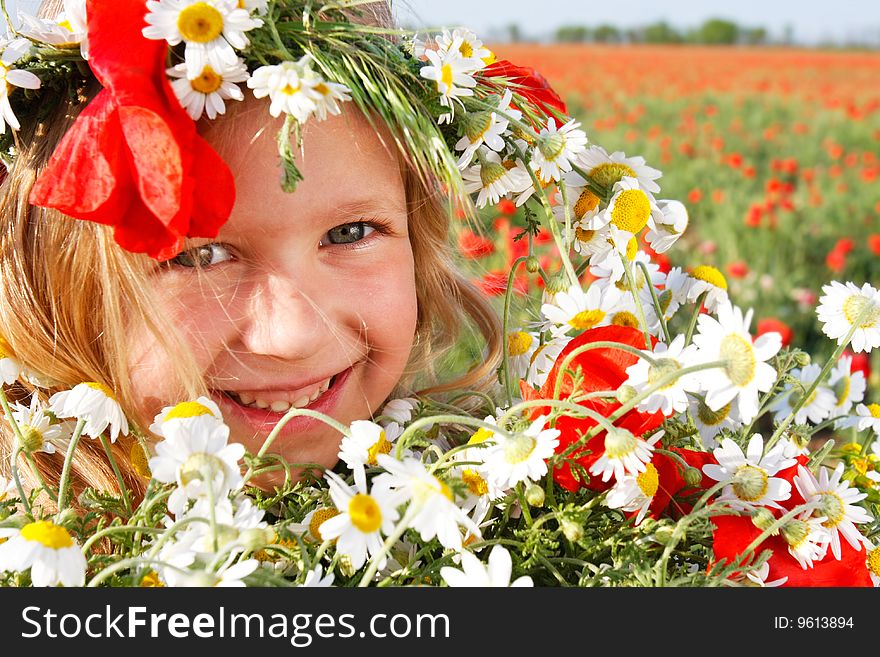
(452, 74)
(607, 170)
(196, 456)
(706, 278)
(211, 30)
(556, 149)
(807, 539)
(630, 206)
(363, 518)
(836, 502)
(315, 578)
(624, 454)
(11, 78)
(467, 44)
(672, 398)
(817, 408)
(225, 577)
(287, 88)
(584, 205)
(746, 373)
(675, 291)
(635, 492)
(327, 95)
(751, 474)
(593, 244)
(522, 456)
(94, 403)
(543, 358)
(840, 308)
(48, 550)
(7, 486)
(492, 179)
(400, 410)
(366, 442)
(435, 511)
(710, 423)
(669, 220)
(848, 387)
(10, 368)
(759, 576)
(205, 93)
(475, 574)
(485, 128)
(69, 28)
(37, 428)
(310, 527)
(868, 417)
(579, 310)
(187, 412)
(610, 270)
(521, 346)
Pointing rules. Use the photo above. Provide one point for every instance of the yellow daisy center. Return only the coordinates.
(619, 444)
(832, 507)
(587, 319)
(466, 49)
(625, 318)
(740, 357)
(632, 247)
(208, 81)
(187, 409)
(48, 534)
(289, 89)
(151, 580)
(66, 25)
(648, 480)
(842, 389)
(518, 448)
(584, 235)
(139, 462)
(365, 514)
(489, 59)
(518, 343)
(663, 367)
(855, 305)
(631, 210)
(750, 483)
(874, 410)
(860, 466)
(480, 435)
(319, 517)
(710, 275)
(445, 77)
(200, 22)
(475, 483)
(609, 173)
(100, 387)
(712, 418)
(874, 561)
(381, 446)
(587, 202)
(445, 490)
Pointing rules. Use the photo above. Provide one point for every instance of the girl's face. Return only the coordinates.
(304, 299)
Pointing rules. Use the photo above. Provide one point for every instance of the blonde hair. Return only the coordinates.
(69, 293)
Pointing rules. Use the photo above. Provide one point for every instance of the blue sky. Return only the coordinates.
(811, 20)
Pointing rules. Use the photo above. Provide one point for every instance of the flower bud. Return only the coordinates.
(558, 283)
(31, 439)
(693, 477)
(256, 538)
(535, 495)
(625, 393)
(67, 518)
(532, 265)
(663, 535)
(572, 530)
(795, 531)
(802, 358)
(763, 519)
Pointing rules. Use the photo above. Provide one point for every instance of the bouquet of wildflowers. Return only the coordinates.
(638, 433)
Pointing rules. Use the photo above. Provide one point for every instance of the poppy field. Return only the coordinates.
(773, 151)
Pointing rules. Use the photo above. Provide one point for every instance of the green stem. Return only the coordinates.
(123, 489)
(109, 531)
(655, 299)
(631, 281)
(466, 420)
(505, 320)
(36, 472)
(127, 563)
(68, 462)
(693, 322)
(387, 545)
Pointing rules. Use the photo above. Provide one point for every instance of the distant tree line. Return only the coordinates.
(715, 31)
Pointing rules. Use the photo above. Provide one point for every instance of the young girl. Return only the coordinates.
(335, 297)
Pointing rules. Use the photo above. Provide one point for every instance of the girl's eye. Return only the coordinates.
(347, 233)
(202, 256)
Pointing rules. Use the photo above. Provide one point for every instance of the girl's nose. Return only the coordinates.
(292, 321)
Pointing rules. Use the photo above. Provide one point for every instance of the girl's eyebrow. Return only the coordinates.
(371, 205)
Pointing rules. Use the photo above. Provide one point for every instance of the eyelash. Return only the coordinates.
(380, 227)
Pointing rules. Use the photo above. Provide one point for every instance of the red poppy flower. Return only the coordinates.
(603, 369)
(534, 87)
(773, 325)
(132, 159)
(860, 362)
(474, 246)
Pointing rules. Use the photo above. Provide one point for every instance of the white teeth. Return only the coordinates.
(280, 406)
